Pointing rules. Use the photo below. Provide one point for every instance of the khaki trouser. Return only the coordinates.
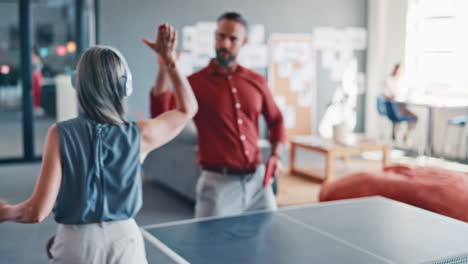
(106, 242)
(221, 194)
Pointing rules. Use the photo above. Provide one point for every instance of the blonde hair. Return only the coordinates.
(97, 82)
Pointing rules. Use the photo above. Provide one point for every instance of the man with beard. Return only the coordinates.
(231, 98)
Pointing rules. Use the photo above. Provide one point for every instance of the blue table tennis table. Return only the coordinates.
(366, 230)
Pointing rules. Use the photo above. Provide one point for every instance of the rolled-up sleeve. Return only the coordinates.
(161, 103)
(272, 114)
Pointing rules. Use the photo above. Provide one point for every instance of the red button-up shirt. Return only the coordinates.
(227, 118)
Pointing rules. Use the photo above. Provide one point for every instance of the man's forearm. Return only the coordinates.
(276, 148)
(161, 84)
(183, 94)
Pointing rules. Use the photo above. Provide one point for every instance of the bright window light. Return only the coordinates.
(437, 47)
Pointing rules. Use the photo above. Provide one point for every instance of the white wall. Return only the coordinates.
(396, 33)
(387, 35)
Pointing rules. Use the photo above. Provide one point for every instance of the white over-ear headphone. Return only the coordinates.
(125, 80)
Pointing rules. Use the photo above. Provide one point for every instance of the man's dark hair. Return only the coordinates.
(234, 17)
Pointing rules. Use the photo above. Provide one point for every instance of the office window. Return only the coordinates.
(437, 47)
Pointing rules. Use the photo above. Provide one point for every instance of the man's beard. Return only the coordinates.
(222, 59)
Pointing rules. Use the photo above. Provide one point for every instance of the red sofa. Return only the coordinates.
(435, 189)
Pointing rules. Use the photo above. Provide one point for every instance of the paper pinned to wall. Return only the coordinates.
(292, 75)
(278, 52)
(206, 30)
(280, 102)
(203, 49)
(305, 97)
(342, 59)
(338, 46)
(296, 51)
(253, 56)
(333, 38)
(305, 52)
(305, 72)
(259, 56)
(325, 37)
(296, 84)
(244, 59)
(289, 114)
(328, 58)
(337, 72)
(200, 57)
(342, 41)
(256, 34)
(288, 111)
(357, 37)
(185, 63)
(189, 34)
(285, 70)
(291, 51)
(305, 100)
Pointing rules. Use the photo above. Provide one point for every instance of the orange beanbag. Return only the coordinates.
(434, 189)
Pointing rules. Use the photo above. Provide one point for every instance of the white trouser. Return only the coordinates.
(221, 194)
(106, 242)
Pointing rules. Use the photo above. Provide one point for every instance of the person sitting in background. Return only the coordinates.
(37, 78)
(90, 173)
(396, 91)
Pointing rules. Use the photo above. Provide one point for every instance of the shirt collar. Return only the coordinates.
(213, 68)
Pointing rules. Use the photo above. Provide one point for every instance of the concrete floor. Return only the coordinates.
(11, 129)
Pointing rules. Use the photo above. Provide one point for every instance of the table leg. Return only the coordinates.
(292, 158)
(329, 166)
(345, 158)
(430, 126)
(385, 156)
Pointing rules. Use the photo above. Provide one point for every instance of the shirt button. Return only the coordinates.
(234, 90)
(238, 105)
(242, 137)
(239, 121)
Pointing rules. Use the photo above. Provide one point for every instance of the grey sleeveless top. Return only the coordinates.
(100, 171)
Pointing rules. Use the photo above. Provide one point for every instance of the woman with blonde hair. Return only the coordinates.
(90, 175)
